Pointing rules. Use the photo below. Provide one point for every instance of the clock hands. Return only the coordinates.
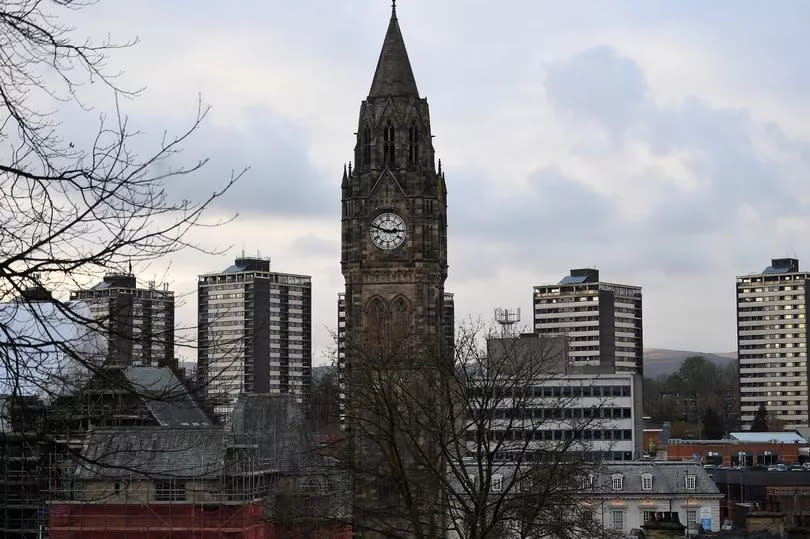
(387, 230)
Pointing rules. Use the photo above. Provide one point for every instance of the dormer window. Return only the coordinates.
(617, 481)
(646, 481)
(365, 142)
(691, 480)
(413, 143)
(388, 143)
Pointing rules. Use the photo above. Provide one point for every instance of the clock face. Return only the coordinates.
(387, 231)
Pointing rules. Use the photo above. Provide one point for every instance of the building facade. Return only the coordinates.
(254, 332)
(772, 339)
(627, 495)
(601, 413)
(138, 322)
(448, 309)
(603, 321)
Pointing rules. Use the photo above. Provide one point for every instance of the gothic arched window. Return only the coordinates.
(376, 321)
(365, 142)
(388, 143)
(413, 143)
(400, 322)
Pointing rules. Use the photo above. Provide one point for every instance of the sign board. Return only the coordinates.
(706, 518)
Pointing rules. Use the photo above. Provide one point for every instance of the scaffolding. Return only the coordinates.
(256, 479)
(23, 491)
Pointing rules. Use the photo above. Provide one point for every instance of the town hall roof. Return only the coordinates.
(394, 76)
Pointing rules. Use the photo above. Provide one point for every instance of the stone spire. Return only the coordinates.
(394, 76)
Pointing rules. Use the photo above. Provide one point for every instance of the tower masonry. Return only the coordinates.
(394, 209)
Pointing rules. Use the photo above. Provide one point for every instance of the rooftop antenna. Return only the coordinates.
(507, 317)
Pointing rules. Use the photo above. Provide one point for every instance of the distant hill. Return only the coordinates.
(660, 361)
(657, 362)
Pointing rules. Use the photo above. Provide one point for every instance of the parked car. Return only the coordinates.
(796, 468)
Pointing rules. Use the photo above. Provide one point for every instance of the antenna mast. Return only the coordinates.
(507, 317)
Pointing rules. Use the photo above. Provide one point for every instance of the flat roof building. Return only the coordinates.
(254, 332)
(772, 339)
(603, 321)
(137, 322)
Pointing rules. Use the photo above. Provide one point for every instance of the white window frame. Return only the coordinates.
(691, 482)
(497, 483)
(646, 482)
(620, 521)
(617, 482)
(647, 516)
(691, 519)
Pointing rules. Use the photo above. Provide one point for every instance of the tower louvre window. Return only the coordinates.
(413, 143)
(366, 145)
(388, 144)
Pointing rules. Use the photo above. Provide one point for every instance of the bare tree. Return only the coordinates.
(71, 211)
(494, 442)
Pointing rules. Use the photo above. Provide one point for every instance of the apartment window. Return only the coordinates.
(497, 483)
(647, 516)
(618, 520)
(690, 482)
(646, 482)
(618, 481)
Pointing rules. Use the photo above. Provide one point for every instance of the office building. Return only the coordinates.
(557, 403)
(138, 322)
(602, 321)
(254, 332)
(772, 344)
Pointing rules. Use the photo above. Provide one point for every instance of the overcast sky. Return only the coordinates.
(665, 143)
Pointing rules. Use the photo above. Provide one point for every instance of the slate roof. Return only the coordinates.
(154, 452)
(394, 76)
(668, 478)
(166, 397)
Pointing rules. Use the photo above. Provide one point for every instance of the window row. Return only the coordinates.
(517, 435)
(553, 391)
(562, 413)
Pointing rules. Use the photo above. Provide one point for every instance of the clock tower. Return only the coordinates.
(394, 214)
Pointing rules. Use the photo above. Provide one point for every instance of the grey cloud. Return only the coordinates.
(684, 230)
(550, 204)
(281, 179)
(598, 84)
